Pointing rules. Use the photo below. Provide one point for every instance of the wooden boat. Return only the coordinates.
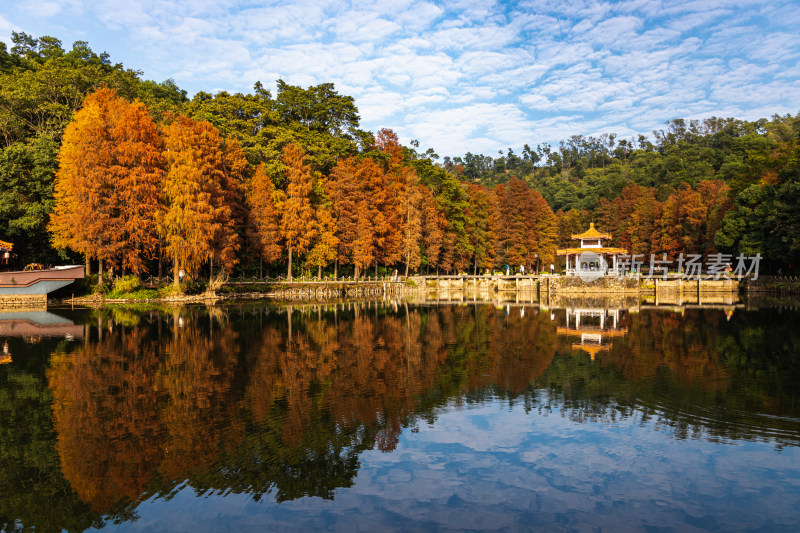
(38, 282)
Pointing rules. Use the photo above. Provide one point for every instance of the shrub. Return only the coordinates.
(170, 290)
(127, 284)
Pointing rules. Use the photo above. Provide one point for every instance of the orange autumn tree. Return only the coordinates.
(197, 222)
(411, 206)
(433, 224)
(356, 190)
(482, 226)
(393, 202)
(529, 230)
(374, 240)
(326, 243)
(235, 171)
(297, 218)
(341, 189)
(107, 185)
(688, 219)
(263, 230)
(543, 233)
(403, 204)
(630, 218)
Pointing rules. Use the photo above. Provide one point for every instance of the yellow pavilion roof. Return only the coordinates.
(573, 251)
(7, 245)
(592, 233)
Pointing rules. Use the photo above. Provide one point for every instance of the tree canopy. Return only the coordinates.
(699, 186)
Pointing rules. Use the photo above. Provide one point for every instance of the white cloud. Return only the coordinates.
(6, 28)
(465, 75)
(41, 9)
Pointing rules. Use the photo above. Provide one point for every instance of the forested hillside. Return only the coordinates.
(100, 165)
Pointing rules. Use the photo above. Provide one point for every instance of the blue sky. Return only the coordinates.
(467, 75)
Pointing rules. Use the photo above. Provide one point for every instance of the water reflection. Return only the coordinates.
(283, 402)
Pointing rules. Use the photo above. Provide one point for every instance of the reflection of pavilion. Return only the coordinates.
(594, 326)
(5, 356)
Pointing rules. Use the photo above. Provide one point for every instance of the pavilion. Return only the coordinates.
(5, 251)
(592, 256)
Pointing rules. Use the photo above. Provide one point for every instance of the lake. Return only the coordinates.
(388, 416)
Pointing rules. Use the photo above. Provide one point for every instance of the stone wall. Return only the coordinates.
(34, 301)
(575, 285)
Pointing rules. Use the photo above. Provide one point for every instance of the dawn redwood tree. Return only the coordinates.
(433, 224)
(297, 220)
(263, 229)
(197, 221)
(383, 197)
(511, 238)
(367, 213)
(690, 217)
(235, 171)
(412, 224)
(481, 220)
(107, 185)
(527, 225)
(342, 190)
(326, 242)
(544, 226)
(364, 248)
(388, 142)
(630, 218)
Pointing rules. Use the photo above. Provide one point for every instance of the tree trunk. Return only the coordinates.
(260, 268)
(88, 265)
(100, 272)
(406, 268)
(159, 264)
(376, 269)
(211, 271)
(289, 274)
(319, 272)
(336, 269)
(176, 280)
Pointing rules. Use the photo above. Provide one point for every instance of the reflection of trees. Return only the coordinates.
(284, 407)
(196, 377)
(104, 398)
(688, 348)
(33, 492)
(697, 375)
(283, 401)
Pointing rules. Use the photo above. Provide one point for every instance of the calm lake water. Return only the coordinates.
(393, 417)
